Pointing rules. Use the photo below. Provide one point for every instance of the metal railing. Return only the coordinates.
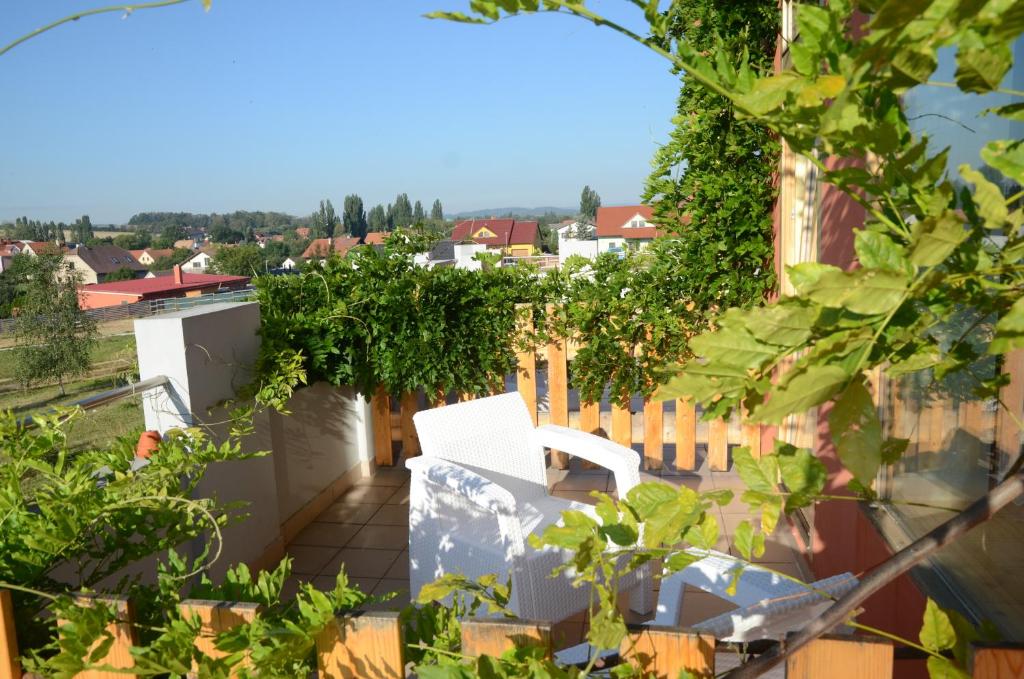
(149, 307)
(109, 396)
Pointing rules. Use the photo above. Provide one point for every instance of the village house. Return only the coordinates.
(8, 250)
(376, 237)
(96, 263)
(321, 247)
(510, 237)
(625, 226)
(149, 256)
(176, 284)
(200, 261)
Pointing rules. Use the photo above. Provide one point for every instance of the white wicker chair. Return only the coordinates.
(480, 490)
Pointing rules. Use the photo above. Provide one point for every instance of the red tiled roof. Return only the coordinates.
(159, 284)
(43, 247)
(376, 237)
(303, 232)
(506, 232)
(613, 222)
(321, 246)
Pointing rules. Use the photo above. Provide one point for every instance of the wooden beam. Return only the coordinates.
(842, 657)
(526, 373)
(654, 434)
(216, 617)
(990, 662)
(718, 445)
(622, 426)
(362, 645)
(558, 391)
(10, 666)
(665, 652)
(380, 414)
(686, 435)
(494, 637)
(122, 629)
(410, 441)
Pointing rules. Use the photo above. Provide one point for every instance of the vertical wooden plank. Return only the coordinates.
(842, 657)
(622, 426)
(751, 436)
(526, 374)
(362, 645)
(686, 435)
(439, 398)
(654, 434)
(997, 663)
(466, 396)
(1012, 394)
(664, 652)
(216, 617)
(558, 391)
(380, 413)
(9, 664)
(718, 445)
(494, 637)
(410, 441)
(590, 422)
(123, 631)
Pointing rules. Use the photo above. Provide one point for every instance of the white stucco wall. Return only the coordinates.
(583, 248)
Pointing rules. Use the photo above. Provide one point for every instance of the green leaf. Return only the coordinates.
(680, 560)
(878, 251)
(732, 345)
(804, 475)
(646, 498)
(805, 390)
(937, 633)
(770, 512)
(1009, 330)
(786, 323)
(935, 238)
(944, 668)
(758, 475)
(981, 69)
(1007, 156)
(857, 432)
(864, 291)
(988, 199)
(743, 539)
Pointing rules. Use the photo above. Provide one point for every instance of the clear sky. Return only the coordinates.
(275, 104)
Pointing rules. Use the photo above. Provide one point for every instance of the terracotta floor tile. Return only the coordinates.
(309, 559)
(326, 534)
(584, 482)
(699, 606)
(577, 495)
(390, 515)
(400, 569)
(343, 512)
(367, 495)
(381, 537)
(399, 496)
(362, 563)
(387, 476)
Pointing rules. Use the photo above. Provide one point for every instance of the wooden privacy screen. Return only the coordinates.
(646, 426)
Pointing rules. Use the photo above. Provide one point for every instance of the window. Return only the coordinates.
(637, 224)
(114, 260)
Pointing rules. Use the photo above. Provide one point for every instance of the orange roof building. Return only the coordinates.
(513, 238)
(625, 224)
(321, 247)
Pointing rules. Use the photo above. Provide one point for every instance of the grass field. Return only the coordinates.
(117, 348)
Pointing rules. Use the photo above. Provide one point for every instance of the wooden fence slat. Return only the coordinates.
(842, 657)
(1012, 395)
(558, 392)
(663, 652)
(997, 663)
(718, 445)
(494, 637)
(686, 435)
(590, 422)
(380, 409)
(9, 664)
(654, 434)
(216, 617)
(751, 436)
(362, 645)
(622, 426)
(410, 441)
(123, 631)
(526, 374)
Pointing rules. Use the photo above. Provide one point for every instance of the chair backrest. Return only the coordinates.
(493, 434)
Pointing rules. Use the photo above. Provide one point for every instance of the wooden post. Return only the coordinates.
(686, 435)
(1012, 394)
(410, 441)
(380, 407)
(558, 391)
(842, 657)
(654, 434)
(9, 664)
(997, 662)
(362, 645)
(665, 652)
(123, 631)
(439, 399)
(590, 422)
(622, 426)
(718, 445)
(494, 637)
(216, 617)
(526, 375)
(751, 436)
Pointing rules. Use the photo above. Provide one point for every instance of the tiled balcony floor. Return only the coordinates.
(367, 530)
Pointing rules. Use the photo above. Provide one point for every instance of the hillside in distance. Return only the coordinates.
(518, 211)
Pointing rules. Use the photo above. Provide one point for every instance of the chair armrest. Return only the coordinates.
(623, 462)
(478, 490)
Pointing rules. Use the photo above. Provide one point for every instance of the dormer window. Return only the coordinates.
(114, 260)
(637, 224)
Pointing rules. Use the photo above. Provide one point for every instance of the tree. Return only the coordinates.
(177, 256)
(354, 216)
(241, 260)
(401, 213)
(275, 253)
(53, 336)
(122, 274)
(378, 219)
(324, 220)
(137, 240)
(81, 230)
(222, 233)
(437, 212)
(418, 216)
(589, 202)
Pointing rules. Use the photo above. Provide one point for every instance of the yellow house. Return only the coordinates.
(510, 237)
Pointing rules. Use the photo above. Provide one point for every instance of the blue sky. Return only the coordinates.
(275, 104)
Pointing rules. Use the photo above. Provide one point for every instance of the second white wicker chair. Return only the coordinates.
(480, 490)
